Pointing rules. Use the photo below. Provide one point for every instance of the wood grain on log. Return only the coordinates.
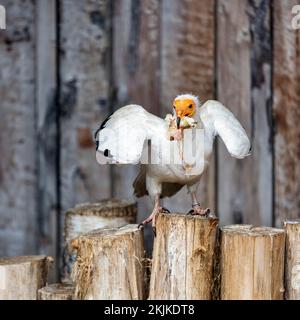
(183, 257)
(292, 259)
(56, 291)
(22, 277)
(109, 264)
(252, 263)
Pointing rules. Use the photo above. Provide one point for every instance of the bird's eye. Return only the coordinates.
(190, 106)
(174, 107)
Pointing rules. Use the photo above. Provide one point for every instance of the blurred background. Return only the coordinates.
(67, 64)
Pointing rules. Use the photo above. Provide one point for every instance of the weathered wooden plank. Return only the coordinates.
(286, 82)
(84, 77)
(136, 53)
(18, 224)
(244, 86)
(47, 153)
(136, 62)
(187, 64)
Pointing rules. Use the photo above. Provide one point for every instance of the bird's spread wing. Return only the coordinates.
(222, 122)
(122, 136)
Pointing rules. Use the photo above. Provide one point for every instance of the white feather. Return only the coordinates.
(217, 117)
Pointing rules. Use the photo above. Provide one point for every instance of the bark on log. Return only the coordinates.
(252, 263)
(56, 291)
(183, 256)
(109, 264)
(22, 277)
(86, 217)
(292, 259)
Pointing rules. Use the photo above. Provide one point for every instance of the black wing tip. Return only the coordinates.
(102, 126)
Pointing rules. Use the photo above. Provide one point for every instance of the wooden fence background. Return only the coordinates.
(66, 64)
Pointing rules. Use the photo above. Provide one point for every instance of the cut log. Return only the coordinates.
(86, 217)
(183, 257)
(109, 264)
(292, 259)
(252, 263)
(56, 291)
(22, 277)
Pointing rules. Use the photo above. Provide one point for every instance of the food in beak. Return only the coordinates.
(178, 122)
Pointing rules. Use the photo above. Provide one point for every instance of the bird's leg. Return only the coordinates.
(157, 209)
(197, 209)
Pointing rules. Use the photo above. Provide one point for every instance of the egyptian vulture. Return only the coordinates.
(173, 152)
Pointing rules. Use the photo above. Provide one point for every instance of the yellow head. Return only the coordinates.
(185, 105)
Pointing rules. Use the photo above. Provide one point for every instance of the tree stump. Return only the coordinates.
(183, 257)
(109, 264)
(252, 263)
(292, 260)
(56, 291)
(111, 213)
(22, 277)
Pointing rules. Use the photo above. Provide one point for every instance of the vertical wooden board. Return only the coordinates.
(187, 39)
(18, 225)
(244, 86)
(84, 99)
(136, 71)
(286, 83)
(135, 67)
(136, 44)
(84, 76)
(46, 73)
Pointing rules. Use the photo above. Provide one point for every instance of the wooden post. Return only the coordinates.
(86, 217)
(252, 263)
(21, 277)
(183, 256)
(56, 291)
(292, 259)
(109, 264)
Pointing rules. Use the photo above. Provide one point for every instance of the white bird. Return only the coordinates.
(131, 133)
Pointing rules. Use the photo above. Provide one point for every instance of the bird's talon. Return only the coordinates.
(190, 212)
(154, 231)
(165, 210)
(141, 226)
(197, 210)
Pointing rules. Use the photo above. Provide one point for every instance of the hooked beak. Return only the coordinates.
(178, 119)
